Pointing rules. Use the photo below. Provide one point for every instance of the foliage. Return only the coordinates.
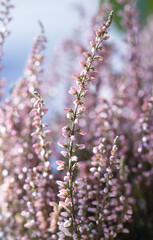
(145, 8)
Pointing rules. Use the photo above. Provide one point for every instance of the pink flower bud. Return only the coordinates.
(34, 110)
(80, 146)
(60, 163)
(92, 79)
(62, 144)
(36, 124)
(34, 134)
(61, 195)
(64, 214)
(66, 135)
(82, 109)
(99, 58)
(73, 91)
(98, 33)
(106, 37)
(62, 204)
(36, 145)
(36, 119)
(67, 223)
(86, 54)
(68, 200)
(68, 110)
(69, 115)
(78, 81)
(93, 50)
(79, 164)
(83, 64)
(76, 102)
(92, 43)
(48, 132)
(81, 132)
(60, 183)
(45, 110)
(75, 76)
(65, 129)
(66, 178)
(64, 153)
(60, 168)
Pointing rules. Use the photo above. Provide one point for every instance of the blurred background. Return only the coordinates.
(59, 18)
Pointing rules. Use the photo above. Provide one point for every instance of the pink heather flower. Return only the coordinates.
(68, 200)
(68, 110)
(47, 132)
(86, 54)
(69, 115)
(61, 165)
(64, 153)
(82, 109)
(76, 76)
(61, 195)
(93, 79)
(62, 144)
(66, 178)
(79, 164)
(67, 223)
(45, 110)
(66, 135)
(36, 145)
(62, 204)
(99, 58)
(73, 91)
(60, 183)
(81, 132)
(83, 64)
(65, 129)
(80, 146)
(34, 134)
(63, 191)
(64, 214)
(76, 102)
(36, 124)
(92, 43)
(34, 110)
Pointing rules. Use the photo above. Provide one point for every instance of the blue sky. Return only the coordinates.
(58, 17)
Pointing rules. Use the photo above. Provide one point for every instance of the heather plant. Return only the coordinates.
(99, 187)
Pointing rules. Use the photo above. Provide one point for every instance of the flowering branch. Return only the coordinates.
(41, 147)
(70, 132)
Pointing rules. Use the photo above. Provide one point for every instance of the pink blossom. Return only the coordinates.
(67, 223)
(62, 144)
(80, 146)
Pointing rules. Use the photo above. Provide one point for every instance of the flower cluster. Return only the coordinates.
(82, 81)
(17, 153)
(42, 209)
(104, 191)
